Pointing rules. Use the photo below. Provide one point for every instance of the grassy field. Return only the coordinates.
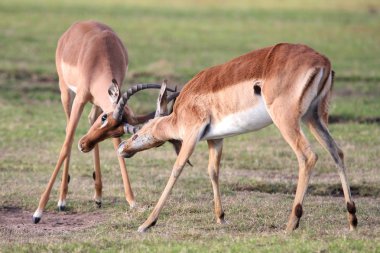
(175, 40)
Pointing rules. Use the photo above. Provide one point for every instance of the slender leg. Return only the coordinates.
(67, 100)
(64, 183)
(322, 134)
(289, 126)
(76, 112)
(94, 114)
(215, 153)
(306, 161)
(97, 177)
(127, 186)
(186, 151)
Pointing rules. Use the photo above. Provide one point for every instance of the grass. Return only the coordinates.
(180, 34)
(259, 171)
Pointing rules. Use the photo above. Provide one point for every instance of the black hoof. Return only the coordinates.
(98, 204)
(61, 208)
(142, 229)
(297, 225)
(153, 223)
(36, 219)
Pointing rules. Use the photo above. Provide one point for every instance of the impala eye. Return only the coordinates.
(104, 118)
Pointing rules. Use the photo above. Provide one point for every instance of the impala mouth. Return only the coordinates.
(122, 153)
(84, 148)
(126, 155)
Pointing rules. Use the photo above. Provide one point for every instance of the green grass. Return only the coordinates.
(175, 40)
(191, 37)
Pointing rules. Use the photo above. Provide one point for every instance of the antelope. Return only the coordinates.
(91, 62)
(284, 84)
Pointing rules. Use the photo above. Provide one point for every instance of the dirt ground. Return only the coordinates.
(16, 223)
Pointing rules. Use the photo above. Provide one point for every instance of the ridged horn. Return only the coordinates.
(129, 129)
(162, 101)
(118, 112)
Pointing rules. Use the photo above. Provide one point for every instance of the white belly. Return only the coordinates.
(69, 74)
(73, 88)
(245, 121)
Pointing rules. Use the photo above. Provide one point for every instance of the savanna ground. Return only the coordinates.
(175, 40)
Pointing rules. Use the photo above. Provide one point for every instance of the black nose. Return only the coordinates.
(80, 146)
(121, 151)
(128, 155)
(84, 148)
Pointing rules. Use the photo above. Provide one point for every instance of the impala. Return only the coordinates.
(285, 84)
(91, 63)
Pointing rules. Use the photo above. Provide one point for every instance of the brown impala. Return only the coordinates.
(91, 64)
(282, 84)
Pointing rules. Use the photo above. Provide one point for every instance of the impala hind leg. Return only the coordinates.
(76, 112)
(124, 174)
(186, 151)
(289, 126)
(322, 134)
(215, 153)
(97, 175)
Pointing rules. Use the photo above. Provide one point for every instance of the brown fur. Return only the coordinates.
(259, 64)
(89, 56)
(351, 208)
(292, 88)
(353, 221)
(278, 66)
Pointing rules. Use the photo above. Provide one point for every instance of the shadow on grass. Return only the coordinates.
(339, 119)
(366, 190)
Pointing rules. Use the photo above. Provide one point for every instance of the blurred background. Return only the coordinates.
(177, 39)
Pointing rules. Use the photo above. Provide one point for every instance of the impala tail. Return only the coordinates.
(317, 105)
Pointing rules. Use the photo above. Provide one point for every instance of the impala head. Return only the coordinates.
(146, 138)
(121, 120)
(103, 128)
(106, 125)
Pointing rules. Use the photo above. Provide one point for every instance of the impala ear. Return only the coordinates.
(114, 92)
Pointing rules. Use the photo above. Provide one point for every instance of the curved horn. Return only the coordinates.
(130, 129)
(118, 112)
(173, 96)
(162, 101)
(144, 118)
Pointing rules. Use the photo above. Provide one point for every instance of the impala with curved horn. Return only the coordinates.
(91, 63)
(118, 123)
(121, 120)
(282, 84)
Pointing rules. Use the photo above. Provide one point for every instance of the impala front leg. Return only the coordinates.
(76, 112)
(64, 183)
(215, 153)
(97, 175)
(186, 151)
(124, 174)
(154, 134)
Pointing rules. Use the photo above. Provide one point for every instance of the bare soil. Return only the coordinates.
(16, 223)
